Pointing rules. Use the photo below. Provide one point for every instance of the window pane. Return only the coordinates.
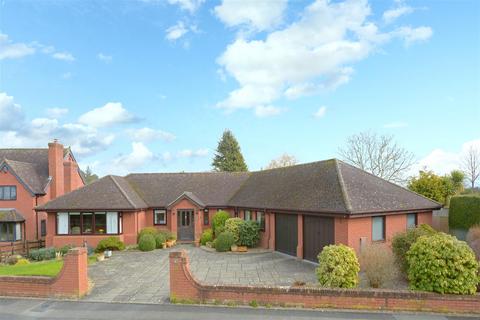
(100, 222)
(3, 232)
(378, 232)
(206, 218)
(6, 193)
(13, 192)
(1, 193)
(411, 220)
(62, 223)
(112, 222)
(160, 216)
(43, 228)
(18, 231)
(87, 218)
(74, 223)
(261, 220)
(247, 215)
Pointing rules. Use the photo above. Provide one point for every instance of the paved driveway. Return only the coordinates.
(143, 277)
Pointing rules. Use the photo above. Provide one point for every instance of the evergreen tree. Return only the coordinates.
(89, 176)
(228, 156)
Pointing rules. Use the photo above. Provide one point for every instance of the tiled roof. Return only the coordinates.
(10, 215)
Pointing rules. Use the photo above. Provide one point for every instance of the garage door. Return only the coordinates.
(286, 233)
(317, 233)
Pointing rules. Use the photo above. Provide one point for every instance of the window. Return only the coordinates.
(411, 220)
(85, 223)
(160, 217)
(8, 193)
(378, 228)
(43, 228)
(261, 220)
(10, 231)
(248, 215)
(206, 219)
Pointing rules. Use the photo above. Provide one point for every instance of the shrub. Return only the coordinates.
(160, 239)
(402, 242)
(146, 242)
(148, 230)
(233, 225)
(441, 263)
(110, 243)
(13, 259)
(22, 262)
(64, 250)
(249, 234)
(473, 239)
(218, 222)
(338, 267)
(378, 263)
(224, 241)
(207, 236)
(170, 236)
(42, 254)
(464, 211)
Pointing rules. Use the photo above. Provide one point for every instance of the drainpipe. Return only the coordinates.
(36, 219)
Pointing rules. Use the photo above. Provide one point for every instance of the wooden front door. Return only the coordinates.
(185, 225)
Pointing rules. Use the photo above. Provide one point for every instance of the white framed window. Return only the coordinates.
(378, 228)
(248, 215)
(62, 223)
(160, 216)
(112, 222)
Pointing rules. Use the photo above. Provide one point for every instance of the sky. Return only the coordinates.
(150, 85)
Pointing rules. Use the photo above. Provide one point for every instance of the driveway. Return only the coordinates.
(143, 277)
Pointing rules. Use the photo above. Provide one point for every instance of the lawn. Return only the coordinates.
(45, 268)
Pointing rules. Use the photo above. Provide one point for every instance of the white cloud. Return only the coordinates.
(267, 111)
(395, 124)
(56, 112)
(65, 56)
(320, 113)
(188, 5)
(188, 153)
(139, 157)
(392, 14)
(11, 114)
(176, 31)
(110, 114)
(255, 15)
(67, 75)
(411, 35)
(104, 57)
(11, 50)
(149, 134)
(309, 56)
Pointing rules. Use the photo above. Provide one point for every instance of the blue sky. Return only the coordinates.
(151, 85)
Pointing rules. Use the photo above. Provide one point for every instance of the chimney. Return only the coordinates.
(70, 172)
(55, 168)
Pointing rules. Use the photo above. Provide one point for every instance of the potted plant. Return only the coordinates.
(100, 256)
(171, 239)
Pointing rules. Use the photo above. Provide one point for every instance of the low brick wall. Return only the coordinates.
(185, 288)
(72, 281)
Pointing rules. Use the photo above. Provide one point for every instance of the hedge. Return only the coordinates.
(464, 211)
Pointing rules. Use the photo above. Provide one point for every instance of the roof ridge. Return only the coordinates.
(393, 184)
(345, 197)
(121, 190)
(296, 165)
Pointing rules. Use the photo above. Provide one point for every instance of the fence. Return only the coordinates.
(20, 247)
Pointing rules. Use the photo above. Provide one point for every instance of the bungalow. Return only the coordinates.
(300, 208)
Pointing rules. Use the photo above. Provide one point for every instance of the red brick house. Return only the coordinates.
(32, 177)
(300, 208)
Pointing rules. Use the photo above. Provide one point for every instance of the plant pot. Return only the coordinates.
(169, 243)
(164, 245)
(100, 257)
(108, 253)
(234, 248)
(242, 249)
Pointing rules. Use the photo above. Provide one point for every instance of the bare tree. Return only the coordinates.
(285, 160)
(471, 165)
(379, 155)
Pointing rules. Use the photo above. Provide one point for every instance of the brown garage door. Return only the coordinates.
(286, 232)
(317, 233)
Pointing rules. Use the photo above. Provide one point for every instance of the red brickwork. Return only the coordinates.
(183, 286)
(72, 281)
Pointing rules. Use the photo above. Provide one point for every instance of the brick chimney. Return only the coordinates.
(55, 168)
(70, 172)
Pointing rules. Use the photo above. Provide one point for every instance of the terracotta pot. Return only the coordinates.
(234, 248)
(242, 249)
(169, 243)
(164, 245)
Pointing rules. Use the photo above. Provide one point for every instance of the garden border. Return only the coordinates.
(185, 288)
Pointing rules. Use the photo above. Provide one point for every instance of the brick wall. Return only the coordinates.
(184, 287)
(72, 281)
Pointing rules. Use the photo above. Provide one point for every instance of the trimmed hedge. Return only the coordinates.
(148, 230)
(160, 239)
(233, 225)
(464, 211)
(224, 241)
(147, 243)
(110, 243)
(249, 234)
(207, 236)
(338, 267)
(218, 222)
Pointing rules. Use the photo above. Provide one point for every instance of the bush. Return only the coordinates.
(148, 230)
(110, 243)
(464, 211)
(146, 242)
(64, 250)
(249, 234)
(378, 263)
(233, 225)
(338, 267)
(22, 262)
(473, 239)
(160, 239)
(42, 254)
(224, 241)
(218, 222)
(401, 242)
(207, 236)
(11, 260)
(170, 236)
(441, 263)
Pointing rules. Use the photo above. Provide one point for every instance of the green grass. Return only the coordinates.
(45, 268)
(92, 259)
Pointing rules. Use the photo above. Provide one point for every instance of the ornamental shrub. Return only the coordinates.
(110, 243)
(233, 225)
(442, 263)
(338, 267)
(224, 241)
(464, 211)
(42, 254)
(22, 262)
(402, 241)
(378, 263)
(160, 239)
(169, 235)
(218, 222)
(473, 240)
(64, 250)
(249, 234)
(148, 230)
(146, 243)
(207, 236)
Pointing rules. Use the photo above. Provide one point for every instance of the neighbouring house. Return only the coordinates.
(32, 177)
(300, 208)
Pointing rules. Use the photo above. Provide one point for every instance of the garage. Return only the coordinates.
(317, 233)
(286, 232)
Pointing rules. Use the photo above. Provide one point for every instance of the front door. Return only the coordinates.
(185, 225)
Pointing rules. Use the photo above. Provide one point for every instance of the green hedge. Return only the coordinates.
(464, 211)
(147, 242)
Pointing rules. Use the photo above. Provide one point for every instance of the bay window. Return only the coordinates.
(10, 231)
(86, 223)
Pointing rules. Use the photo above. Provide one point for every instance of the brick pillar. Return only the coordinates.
(300, 236)
(182, 285)
(198, 219)
(73, 278)
(271, 239)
